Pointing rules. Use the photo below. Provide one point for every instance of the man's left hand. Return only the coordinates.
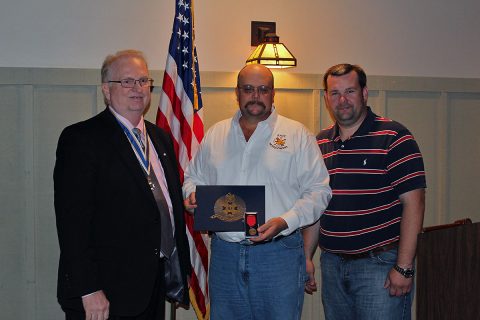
(311, 284)
(270, 229)
(397, 284)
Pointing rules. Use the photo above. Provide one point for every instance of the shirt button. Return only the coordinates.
(342, 146)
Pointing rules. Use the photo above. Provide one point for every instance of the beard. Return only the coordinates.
(344, 112)
(349, 114)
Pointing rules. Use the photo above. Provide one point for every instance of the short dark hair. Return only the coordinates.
(345, 68)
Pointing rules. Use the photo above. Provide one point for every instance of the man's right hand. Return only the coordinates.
(191, 202)
(96, 306)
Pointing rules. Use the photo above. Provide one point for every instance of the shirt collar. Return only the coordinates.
(126, 122)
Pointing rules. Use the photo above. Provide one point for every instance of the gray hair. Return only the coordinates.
(112, 58)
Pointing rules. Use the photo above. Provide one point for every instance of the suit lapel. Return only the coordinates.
(120, 143)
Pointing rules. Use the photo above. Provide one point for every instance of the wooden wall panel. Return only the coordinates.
(416, 110)
(297, 105)
(36, 104)
(463, 156)
(55, 107)
(13, 186)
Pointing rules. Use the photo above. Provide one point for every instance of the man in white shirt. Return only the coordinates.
(264, 277)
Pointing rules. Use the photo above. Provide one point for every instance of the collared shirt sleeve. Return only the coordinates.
(313, 179)
(405, 168)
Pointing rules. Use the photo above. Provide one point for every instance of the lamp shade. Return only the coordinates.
(272, 54)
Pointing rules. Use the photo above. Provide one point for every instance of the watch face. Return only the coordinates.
(408, 273)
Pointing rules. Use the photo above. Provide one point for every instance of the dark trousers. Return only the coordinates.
(155, 309)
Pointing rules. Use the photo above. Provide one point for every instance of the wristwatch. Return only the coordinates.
(407, 273)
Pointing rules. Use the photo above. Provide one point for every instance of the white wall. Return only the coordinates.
(437, 38)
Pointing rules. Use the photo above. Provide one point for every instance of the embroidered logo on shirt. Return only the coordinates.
(280, 142)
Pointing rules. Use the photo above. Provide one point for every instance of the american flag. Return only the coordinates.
(180, 114)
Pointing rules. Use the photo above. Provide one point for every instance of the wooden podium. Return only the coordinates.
(448, 273)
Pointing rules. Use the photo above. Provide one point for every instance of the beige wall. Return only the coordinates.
(36, 104)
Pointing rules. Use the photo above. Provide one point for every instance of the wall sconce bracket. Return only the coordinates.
(259, 30)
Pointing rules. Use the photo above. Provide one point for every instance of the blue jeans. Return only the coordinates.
(353, 289)
(263, 281)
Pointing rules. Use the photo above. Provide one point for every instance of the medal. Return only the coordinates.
(251, 224)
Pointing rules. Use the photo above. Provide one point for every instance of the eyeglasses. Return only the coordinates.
(130, 82)
(262, 90)
(347, 94)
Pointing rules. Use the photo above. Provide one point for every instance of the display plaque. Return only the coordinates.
(230, 208)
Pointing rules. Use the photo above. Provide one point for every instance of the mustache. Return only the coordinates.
(344, 105)
(260, 103)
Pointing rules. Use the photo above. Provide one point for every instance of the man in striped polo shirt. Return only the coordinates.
(368, 234)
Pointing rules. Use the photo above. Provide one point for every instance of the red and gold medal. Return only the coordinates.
(251, 224)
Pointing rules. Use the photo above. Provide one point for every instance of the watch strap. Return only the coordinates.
(407, 273)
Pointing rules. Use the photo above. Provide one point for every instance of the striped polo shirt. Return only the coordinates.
(368, 172)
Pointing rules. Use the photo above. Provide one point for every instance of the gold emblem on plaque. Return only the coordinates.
(229, 208)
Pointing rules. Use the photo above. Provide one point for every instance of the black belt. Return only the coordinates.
(371, 253)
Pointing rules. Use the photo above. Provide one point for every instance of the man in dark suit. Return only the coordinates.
(116, 183)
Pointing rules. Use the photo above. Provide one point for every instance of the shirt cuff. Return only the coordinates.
(90, 294)
(291, 219)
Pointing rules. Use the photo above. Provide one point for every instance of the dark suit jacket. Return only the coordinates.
(107, 218)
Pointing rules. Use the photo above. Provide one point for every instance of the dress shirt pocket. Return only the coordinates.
(280, 164)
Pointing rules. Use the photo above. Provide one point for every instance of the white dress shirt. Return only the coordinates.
(281, 154)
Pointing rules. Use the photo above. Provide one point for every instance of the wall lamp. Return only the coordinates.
(269, 51)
